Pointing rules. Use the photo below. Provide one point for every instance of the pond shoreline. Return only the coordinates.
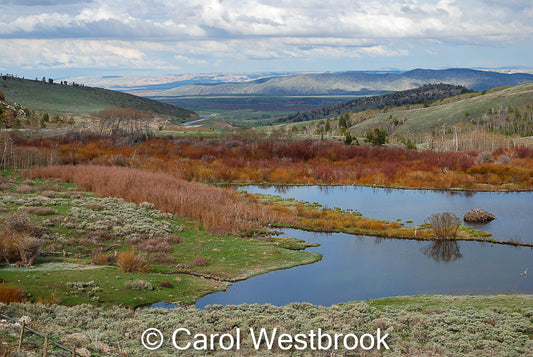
(397, 187)
(387, 236)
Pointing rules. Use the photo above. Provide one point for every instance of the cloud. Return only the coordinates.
(69, 53)
(171, 33)
(206, 19)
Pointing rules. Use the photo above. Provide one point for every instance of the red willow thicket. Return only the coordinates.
(219, 210)
(255, 160)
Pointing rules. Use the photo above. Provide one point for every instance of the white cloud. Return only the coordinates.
(236, 18)
(528, 12)
(69, 53)
(167, 34)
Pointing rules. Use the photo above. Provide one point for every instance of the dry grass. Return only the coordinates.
(52, 299)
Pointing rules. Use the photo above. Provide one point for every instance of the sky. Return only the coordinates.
(61, 38)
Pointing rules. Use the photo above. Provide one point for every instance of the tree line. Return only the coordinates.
(426, 95)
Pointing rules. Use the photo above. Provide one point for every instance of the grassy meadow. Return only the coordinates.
(83, 236)
(57, 98)
(470, 109)
(93, 228)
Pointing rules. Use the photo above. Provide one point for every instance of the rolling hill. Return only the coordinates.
(498, 104)
(351, 83)
(59, 98)
(429, 93)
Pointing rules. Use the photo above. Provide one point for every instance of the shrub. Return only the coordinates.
(49, 188)
(200, 261)
(174, 239)
(41, 211)
(155, 245)
(485, 157)
(219, 210)
(94, 206)
(504, 159)
(376, 137)
(99, 236)
(166, 284)
(28, 248)
(9, 294)
(100, 258)
(25, 189)
(19, 222)
(138, 285)
(18, 248)
(128, 262)
(445, 225)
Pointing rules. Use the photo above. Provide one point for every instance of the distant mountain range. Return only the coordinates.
(358, 83)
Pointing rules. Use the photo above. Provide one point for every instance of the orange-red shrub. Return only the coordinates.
(128, 262)
(9, 294)
(218, 209)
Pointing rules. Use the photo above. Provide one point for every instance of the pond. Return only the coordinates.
(360, 267)
(514, 210)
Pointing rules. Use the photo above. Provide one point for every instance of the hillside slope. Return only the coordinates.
(429, 93)
(479, 109)
(353, 83)
(59, 98)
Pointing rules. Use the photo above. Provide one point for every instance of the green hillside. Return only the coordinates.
(60, 98)
(498, 104)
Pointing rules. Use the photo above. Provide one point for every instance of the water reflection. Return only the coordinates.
(512, 209)
(445, 251)
(358, 268)
(281, 189)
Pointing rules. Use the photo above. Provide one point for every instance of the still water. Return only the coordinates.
(359, 267)
(514, 210)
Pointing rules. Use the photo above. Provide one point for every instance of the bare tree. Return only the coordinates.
(131, 121)
(445, 225)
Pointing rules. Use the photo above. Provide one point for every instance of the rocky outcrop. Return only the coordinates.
(478, 215)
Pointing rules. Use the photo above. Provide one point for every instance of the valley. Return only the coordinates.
(113, 203)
